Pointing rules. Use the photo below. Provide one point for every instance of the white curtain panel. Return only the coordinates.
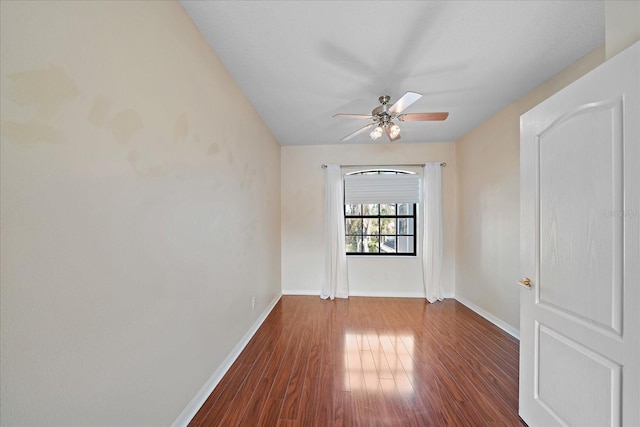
(432, 241)
(336, 281)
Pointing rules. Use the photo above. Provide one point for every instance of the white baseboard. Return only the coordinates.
(301, 292)
(379, 294)
(361, 294)
(490, 317)
(196, 403)
(366, 294)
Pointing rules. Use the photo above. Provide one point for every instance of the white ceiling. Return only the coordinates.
(301, 62)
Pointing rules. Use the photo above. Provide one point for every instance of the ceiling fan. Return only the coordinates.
(383, 117)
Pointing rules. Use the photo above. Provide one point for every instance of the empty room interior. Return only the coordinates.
(189, 236)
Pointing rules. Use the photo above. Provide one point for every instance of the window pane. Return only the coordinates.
(353, 226)
(362, 244)
(352, 209)
(369, 209)
(405, 244)
(387, 209)
(352, 243)
(405, 226)
(388, 244)
(371, 243)
(405, 209)
(370, 226)
(387, 226)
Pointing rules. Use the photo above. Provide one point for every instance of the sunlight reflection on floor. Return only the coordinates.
(379, 363)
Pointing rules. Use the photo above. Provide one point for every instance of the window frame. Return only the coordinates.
(380, 217)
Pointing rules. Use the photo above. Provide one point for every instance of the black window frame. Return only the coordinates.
(379, 217)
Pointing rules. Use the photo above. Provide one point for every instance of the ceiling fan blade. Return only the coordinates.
(354, 116)
(388, 132)
(423, 117)
(402, 103)
(358, 132)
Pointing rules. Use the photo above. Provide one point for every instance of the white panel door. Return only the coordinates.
(580, 240)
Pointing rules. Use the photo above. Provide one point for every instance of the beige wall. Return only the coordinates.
(622, 25)
(303, 219)
(140, 213)
(488, 207)
(488, 174)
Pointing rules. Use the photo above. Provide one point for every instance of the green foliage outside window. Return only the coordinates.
(381, 229)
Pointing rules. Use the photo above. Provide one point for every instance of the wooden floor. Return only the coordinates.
(370, 362)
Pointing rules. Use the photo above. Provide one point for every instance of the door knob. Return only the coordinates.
(526, 282)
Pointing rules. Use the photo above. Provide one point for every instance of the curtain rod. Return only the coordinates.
(443, 164)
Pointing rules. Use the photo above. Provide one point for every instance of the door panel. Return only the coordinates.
(571, 400)
(580, 180)
(580, 245)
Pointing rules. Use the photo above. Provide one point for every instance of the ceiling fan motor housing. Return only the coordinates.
(380, 113)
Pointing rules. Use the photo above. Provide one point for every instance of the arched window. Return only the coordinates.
(380, 212)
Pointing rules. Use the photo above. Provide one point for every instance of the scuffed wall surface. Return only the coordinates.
(140, 213)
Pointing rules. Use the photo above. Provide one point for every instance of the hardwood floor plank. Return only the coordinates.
(370, 362)
(262, 391)
(308, 401)
(427, 418)
(296, 379)
(222, 396)
(271, 413)
(399, 374)
(282, 379)
(340, 409)
(238, 405)
(380, 357)
(325, 396)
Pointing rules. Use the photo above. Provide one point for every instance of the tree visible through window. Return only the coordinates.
(380, 229)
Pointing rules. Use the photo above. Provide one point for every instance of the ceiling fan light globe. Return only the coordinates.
(394, 131)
